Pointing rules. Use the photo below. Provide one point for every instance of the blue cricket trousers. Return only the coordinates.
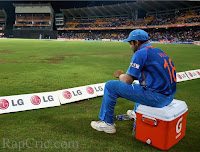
(133, 92)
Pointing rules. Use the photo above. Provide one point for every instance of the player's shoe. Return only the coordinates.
(103, 126)
(131, 114)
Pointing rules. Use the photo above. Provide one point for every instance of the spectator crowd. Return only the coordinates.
(176, 17)
(187, 34)
(176, 34)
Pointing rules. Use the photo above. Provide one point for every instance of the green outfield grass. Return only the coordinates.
(31, 66)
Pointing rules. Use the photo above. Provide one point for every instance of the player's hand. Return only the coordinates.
(118, 73)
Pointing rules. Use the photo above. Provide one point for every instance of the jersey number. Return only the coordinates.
(166, 65)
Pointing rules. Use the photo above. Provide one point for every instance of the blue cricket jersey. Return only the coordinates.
(154, 69)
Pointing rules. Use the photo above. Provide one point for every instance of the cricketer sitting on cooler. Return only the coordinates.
(157, 81)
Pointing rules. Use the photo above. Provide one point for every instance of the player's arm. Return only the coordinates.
(127, 78)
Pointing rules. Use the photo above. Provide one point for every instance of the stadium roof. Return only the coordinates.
(31, 4)
(128, 9)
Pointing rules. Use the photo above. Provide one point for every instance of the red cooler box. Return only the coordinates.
(161, 127)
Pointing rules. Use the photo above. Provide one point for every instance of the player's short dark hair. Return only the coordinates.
(143, 41)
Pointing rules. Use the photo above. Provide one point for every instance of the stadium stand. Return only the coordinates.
(173, 35)
(3, 18)
(177, 23)
(34, 20)
(158, 19)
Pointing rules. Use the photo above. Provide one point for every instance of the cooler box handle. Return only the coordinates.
(149, 120)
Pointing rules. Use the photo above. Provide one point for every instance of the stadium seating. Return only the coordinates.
(33, 21)
(174, 34)
(157, 19)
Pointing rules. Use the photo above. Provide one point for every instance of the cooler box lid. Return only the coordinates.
(170, 112)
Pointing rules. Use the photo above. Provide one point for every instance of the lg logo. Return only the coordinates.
(193, 74)
(99, 88)
(35, 100)
(179, 125)
(179, 76)
(67, 94)
(190, 74)
(4, 104)
(90, 90)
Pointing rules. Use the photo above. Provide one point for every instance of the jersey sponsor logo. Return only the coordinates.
(134, 65)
